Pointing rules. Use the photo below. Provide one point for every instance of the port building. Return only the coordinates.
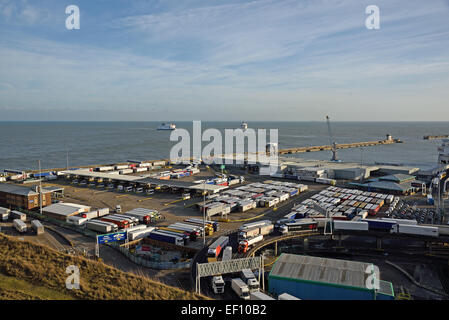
(61, 211)
(394, 184)
(23, 197)
(316, 278)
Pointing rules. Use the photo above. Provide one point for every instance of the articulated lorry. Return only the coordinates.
(216, 247)
(244, 245)
(240, 288)
(250, 279)
(218, 284)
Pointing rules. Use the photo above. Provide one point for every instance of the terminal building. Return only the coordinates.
(17, 196)
(315, 278)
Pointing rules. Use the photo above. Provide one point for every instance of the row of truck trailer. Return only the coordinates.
(19, 219)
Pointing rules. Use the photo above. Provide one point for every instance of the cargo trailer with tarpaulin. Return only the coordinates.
(315, 278)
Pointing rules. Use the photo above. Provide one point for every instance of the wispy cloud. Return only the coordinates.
(229, 57)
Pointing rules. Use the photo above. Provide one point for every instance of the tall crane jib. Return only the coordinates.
(332, 142)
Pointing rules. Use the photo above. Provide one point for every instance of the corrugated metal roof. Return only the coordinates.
(323, 270)
(61, 209)
(19, 190)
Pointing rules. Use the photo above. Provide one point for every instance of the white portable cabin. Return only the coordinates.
(19, 225)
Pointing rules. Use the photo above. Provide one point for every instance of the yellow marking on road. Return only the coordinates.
(191, 205)
(166, 204)
(121, 196)
(103, 191)
(140, 200)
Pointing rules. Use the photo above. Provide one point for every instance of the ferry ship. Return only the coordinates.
(443, 152)
(167, 126)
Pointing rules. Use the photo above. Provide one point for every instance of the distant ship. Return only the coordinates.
(244, 125)
(167, 126)
(443, 152)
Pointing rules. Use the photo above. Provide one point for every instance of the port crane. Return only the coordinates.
(332, 141)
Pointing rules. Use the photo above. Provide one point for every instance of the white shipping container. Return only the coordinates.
(126, 171)
(418, 230)
(350, 225)
(121, 166)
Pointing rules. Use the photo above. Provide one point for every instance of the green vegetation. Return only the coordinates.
(32, 271)
(15, 289)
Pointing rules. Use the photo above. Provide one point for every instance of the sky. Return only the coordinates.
(265, 60)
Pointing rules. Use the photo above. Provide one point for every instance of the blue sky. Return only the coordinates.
(224, 60)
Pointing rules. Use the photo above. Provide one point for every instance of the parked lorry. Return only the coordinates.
(301, 225)
(37, 227)
(218, 284)
(160, 236)
(187, 226)
(215, 225)
(216, 247)
(191, 234)
(250, 279)
(139, 234)
(244, 245)
(259, 295)
(101, 226)
(259, 230)
(96, 213)
(133, 221)
(18, 215)
(4, 213)
(120, 222)
(208, 228)
(252, 225)
(184, 237)
(240, 288)
(77, 220)
(19, 225)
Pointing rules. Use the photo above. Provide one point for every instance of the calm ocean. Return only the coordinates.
(88, 143)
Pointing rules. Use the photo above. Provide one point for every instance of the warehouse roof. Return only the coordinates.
(19, 190)
(62, 209)
(399, 178)
(322, 270)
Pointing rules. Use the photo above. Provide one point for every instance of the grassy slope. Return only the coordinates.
(44, 268)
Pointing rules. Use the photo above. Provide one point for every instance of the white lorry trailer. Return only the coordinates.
(4, 214)
(240, 288)
(37, 226)
(250, 279)
(20, 225)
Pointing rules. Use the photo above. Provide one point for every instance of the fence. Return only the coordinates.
(124, 251)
